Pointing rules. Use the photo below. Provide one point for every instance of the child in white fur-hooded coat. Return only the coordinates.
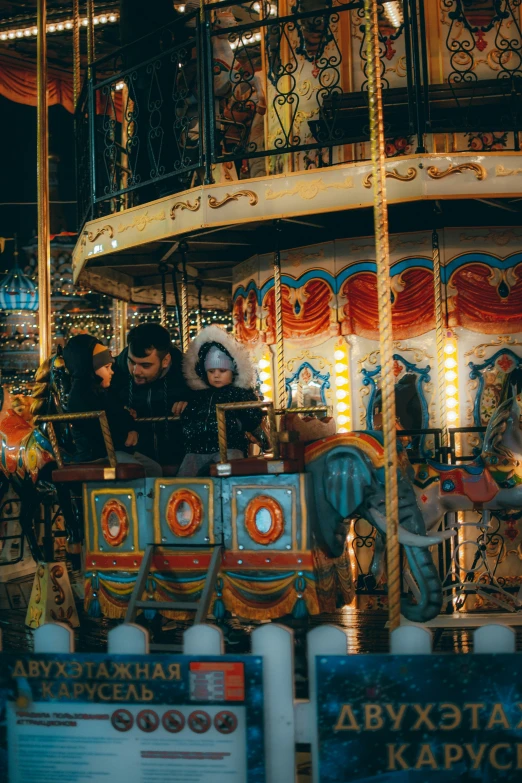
(218, 369)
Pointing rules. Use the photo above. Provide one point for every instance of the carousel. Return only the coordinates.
(373, 272)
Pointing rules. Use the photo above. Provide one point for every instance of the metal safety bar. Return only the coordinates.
(67, 418)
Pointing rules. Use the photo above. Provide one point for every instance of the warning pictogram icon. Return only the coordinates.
(122, 720)
(173, 721)
(199, 721)
(147, 720)
(225, 722)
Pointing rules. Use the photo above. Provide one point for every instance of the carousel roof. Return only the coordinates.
(18, 292)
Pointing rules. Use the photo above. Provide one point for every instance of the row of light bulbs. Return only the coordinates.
(56, 27)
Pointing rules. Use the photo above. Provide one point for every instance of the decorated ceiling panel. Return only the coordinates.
(331, 289)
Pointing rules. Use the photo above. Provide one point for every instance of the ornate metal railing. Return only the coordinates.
(241, 90)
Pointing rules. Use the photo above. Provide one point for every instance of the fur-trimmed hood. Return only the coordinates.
(193, 360)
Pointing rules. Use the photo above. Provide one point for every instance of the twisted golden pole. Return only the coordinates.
(280, 345)
(185, 327)
(90, 34)
(76, 51)
(440, 329)
(380, 211)
(42, 175)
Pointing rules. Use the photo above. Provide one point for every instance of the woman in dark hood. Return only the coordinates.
(89, 364)
(218, 370)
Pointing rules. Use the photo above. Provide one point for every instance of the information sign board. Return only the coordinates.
(86, 718)
(419, 719)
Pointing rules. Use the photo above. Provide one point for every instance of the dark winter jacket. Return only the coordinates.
(199, 417)
(87, 395)
(161, 441)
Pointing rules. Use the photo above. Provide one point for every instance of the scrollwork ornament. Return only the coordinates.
(476, 168)
(215, 203)
(183, 205)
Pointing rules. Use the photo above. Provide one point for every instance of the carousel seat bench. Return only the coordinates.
(255, 466)
(98, 471)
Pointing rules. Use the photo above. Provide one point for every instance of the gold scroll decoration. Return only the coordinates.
(392, 174)
(185, 205)
(92, 236)
(478, 170)
(252, 197)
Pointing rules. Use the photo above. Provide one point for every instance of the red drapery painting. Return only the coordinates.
(306, 310)
(482, 306)
(19, 85)
(413, 310)
(245, 318)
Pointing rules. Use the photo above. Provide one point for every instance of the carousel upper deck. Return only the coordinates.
(230, 119)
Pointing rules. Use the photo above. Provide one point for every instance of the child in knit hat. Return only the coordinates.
(218, 370)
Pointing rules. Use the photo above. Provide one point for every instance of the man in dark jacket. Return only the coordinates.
(149, 382)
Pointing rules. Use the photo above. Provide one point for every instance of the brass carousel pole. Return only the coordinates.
(76, 52)
(42, 169)
(380, 209)
(185, 333)
(440, 329)
(90, 31)
(280, 397)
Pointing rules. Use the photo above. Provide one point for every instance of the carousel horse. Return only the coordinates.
(348, 471)
(27, 456)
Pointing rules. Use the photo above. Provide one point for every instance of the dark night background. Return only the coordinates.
(18, 171)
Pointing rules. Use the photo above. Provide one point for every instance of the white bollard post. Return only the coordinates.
(203, 639)
(128, 639)
(275, 644)
(494, 639)
(53, 638)
(323, 640)
(411, 640)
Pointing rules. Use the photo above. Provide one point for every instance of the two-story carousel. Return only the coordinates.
(372, 267)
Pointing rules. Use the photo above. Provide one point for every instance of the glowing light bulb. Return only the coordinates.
(450, 363)
(103, 19)
(60, 27)
(264, 376)
(451, 390)
(3, 36)
(341, 381)
(263, 364)
(85, 22)
(27, 33)
(112, 17)
(342, 406)
(449, 348)
(451, 402)
(51, 28)
(452, 416)
(342, 419)
(342, 429)
(450, 375)
(19, 34)
(341, 394)
(341, 367)
(96, 20)
(68, 25)
(265, 387)
(339, 355)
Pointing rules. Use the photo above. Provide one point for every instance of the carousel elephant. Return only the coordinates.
(348, 478)
(348, 475)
